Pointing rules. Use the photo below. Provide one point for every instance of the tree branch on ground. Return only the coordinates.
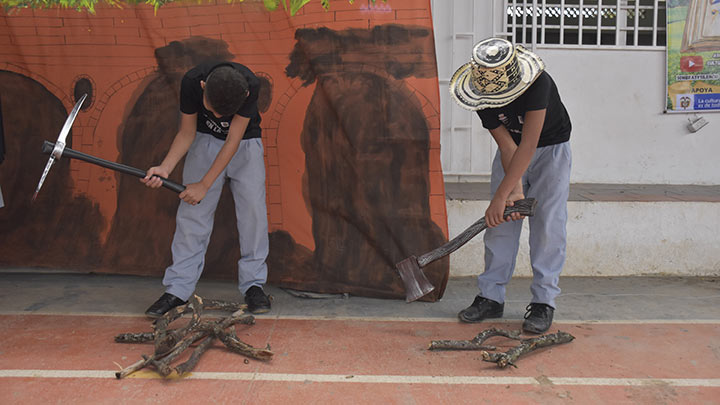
(171, 343)
(509, 357)
(475, 343)
(526, 346)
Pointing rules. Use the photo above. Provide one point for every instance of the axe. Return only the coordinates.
(58, 149)
(410, 269)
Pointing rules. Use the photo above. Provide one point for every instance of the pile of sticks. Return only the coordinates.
(171, 343)
(509, 357)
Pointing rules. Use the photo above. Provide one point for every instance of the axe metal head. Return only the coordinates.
(416, 284)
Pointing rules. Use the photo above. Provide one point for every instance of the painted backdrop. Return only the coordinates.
(350, 110)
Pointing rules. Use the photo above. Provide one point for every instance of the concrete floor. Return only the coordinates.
(582, 298)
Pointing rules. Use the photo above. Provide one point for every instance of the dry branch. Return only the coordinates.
(195, 356)
(233, 343)
(502, 359)
(133, 368)
(171, 343)
(165, 340)
(139, 337)
(525, 347)
(163, 365)
(210, 305)
(475, 343)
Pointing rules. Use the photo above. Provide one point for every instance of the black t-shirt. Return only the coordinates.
(191, 101)
(543, 93)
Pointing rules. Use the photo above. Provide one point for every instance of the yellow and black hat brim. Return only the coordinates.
(469, 97)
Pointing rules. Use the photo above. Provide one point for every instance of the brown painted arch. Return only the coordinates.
(59, 229)
(272, 125)
(379, 237)
(125, 81)
(61, 95)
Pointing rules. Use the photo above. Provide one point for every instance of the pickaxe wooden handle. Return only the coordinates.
(48, 147)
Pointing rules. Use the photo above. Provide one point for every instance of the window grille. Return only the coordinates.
(586, 23)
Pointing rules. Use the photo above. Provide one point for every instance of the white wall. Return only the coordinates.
(620, 133)
(611, 239)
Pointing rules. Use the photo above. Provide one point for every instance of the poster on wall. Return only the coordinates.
(693, 55)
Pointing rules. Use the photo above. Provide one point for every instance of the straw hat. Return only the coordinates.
(497, 74)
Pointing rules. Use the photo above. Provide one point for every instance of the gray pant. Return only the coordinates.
(194, 223)
(547, 179)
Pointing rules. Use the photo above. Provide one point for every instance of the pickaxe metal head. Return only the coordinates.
(60, 143)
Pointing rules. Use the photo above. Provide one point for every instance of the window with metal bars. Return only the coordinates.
(587, 23)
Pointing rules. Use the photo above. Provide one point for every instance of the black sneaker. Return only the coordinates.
(538, 318)
(256, 300)
(481, 309)
(165, 303)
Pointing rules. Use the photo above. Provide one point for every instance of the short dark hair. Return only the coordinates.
(226, 90)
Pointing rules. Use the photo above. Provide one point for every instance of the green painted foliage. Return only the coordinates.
(296, 5)
(89, 5)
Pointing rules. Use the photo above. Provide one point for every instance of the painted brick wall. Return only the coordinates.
(114, 48)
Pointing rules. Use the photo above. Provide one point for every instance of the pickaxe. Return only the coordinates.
(58, 149)
(410, 269)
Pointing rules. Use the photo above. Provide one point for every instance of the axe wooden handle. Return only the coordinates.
(47, 149)
(525, 207)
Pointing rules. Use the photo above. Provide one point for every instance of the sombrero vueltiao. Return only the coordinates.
(497, 74)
